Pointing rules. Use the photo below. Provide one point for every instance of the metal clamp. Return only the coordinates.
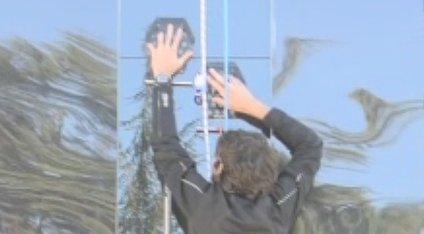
(174, 83)
(218, 130)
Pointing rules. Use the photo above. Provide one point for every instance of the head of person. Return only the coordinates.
(246, 164)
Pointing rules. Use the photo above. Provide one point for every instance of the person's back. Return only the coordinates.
(251, 192)
(217, 207)
(220, 212)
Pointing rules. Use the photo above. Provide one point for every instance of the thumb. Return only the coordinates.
(185, 57)
(236, 81)
(150, 47)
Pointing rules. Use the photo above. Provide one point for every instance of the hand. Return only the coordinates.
(240, 99)
(164, 56)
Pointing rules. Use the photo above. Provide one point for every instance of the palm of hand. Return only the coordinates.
(164, 56)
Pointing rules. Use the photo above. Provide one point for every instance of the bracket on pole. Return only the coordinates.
(174, 83)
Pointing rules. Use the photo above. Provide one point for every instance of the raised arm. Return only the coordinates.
(174, 166)
(164, 64)
(303, 143)
(306, 150)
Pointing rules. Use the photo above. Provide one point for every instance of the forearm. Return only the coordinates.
(163, 118)
(164, 62)
(303, 143)
(168, 151)
(291, 132)
(306, 150)
(258, 110)
(172, 162)
(255, 118)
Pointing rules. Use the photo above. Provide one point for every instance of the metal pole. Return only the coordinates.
(226, 77)
(167, 211)
(203, 54)
(168, 195)
(174, 83)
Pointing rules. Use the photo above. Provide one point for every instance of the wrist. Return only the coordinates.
(259, 110)
(162, 78)
(160, 71)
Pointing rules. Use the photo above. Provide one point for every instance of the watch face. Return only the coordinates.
(162, 79)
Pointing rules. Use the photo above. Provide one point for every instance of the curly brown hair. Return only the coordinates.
(251, 165)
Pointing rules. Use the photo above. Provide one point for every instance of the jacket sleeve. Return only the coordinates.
(175, 168)
(296, 178)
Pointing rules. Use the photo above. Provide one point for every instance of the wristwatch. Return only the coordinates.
(162, 79)
(163, 85)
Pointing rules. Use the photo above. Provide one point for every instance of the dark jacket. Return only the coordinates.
(204, 208)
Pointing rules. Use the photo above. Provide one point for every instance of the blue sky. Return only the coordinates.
(375, 45)
(44, 21)
(378, 46)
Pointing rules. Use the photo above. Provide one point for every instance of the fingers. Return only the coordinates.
(219, 101)
(185, 57)
(236, 81)
(169, 34)
(217, 86)
(150, 47)
(218, 77)
(221, 80)
(178, 38)
(160, 39)
(218, 82)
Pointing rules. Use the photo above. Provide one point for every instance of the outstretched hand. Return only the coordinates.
(239, 99)
(164, 56)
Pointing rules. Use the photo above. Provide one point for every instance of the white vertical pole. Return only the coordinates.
(273, 38)
(226, 77)
(272, 46)
(167, 211)
(203, 45)
(203, 52)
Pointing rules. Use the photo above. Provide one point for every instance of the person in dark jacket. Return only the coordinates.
(250, 192)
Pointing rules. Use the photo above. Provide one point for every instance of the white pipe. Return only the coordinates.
(203, 55)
